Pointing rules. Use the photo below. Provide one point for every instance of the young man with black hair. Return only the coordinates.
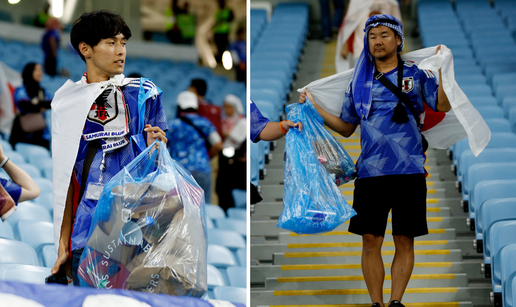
(392, 158)
(97, 129)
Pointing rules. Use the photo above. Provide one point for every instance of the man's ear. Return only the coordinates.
(398, 40)
(85, 49)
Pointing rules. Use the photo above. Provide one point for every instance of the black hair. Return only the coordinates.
(31, 86)
(91, 27)
(200, 86)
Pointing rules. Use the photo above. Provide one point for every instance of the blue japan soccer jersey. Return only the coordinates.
(389, 148)
(116, 160)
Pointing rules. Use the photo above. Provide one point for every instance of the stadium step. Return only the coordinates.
(437, 304)
(265, 251)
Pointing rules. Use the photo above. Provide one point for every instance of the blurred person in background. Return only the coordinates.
(350, 41)
(232, 160)
(41, 19)
(50, 45)
(212, 112)
(171, 26)
(21, 188)
(239, 54)
(31, 100)
(186, 23)
(223, 18)
(191, 137)
(338, 6)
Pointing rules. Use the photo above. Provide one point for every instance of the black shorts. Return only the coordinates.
(374, 197)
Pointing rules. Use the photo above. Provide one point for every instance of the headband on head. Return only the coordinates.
(362, 83)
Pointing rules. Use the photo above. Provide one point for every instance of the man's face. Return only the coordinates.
(383, 43)
(108, 56)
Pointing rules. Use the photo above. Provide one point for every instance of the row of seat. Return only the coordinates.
(483, 46)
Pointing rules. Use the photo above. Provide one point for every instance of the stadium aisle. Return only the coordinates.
(324, 270)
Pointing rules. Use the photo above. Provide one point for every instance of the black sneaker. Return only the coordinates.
(376, 305)
(396, 304)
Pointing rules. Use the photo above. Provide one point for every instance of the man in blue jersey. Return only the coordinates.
(392, 160)
(111, 135)
(192, 137)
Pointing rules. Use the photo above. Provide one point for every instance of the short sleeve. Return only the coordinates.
(349, 113)
(258, 122)
(154, 113)
(12, 188)
(430, 86)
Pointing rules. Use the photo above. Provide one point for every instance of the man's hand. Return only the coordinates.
(303, 96)
(154, 133)
(63, 260)
(287, 124)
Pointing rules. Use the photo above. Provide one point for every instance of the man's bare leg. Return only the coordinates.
(402, 265)
(372, 266)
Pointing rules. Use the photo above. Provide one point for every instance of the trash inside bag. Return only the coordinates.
(314, 165)
(148, 231)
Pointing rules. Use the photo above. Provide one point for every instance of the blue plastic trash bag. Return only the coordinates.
(148, 231)
(312, 202)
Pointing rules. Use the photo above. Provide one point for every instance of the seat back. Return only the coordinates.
(228, 238)
(495, 210)
(237, 276)
(231, 294)
(237, 213)
(214, 211)
(6, 230)
(215, 277)
(24, 273)
(502, 234)
(17, 252)
(220, 256)
(237, 225)
(35, 233)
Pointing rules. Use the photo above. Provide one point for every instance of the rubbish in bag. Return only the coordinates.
(314, 163)
(148, 231)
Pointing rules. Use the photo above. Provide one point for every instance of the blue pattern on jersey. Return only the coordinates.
(185, 144)
(258, 122)
(389, 148)
(115, 161)
(12, 188)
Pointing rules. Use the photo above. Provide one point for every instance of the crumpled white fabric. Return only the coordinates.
(70, 108)
(356, 16)
(8, 299)
(463, 120)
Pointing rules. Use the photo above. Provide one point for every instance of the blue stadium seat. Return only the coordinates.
(31, 170)
(237, 213)
(242, 258)
(491, 154)
(28, 211)
(6, 146)
(486, 171)
(494, 210)
(227, 238)
(480, 101)
(46, 200)
(215, 278)
(504, 90)
(45, 185)
(16, 158)
(508, 265)
(237, 276)
(231, 294)
(30, 150)
(24, 273)
(6, 230)
(502, 234)
(237, 225)
(489, 189)
(214, 211)
(499, 124)
(36, 233)
(490, 111)
(507, 104)
(12, 251)
(255, 171)
(239, 198)
(209, 223)
(220, 256)
(48, 255)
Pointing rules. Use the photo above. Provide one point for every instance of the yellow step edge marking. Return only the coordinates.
(302, 267)
(431, 191)
(438, 304)
(358, 277)
(348, 147)
(432, 201)
(359, 244)
(360, 291)
(434, 209)
(429, 183)
(340, 233)
(359, 253)
(427, 168)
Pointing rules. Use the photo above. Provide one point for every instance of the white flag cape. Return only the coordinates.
(70, 106)
(9, 79)
(356, 16)
(463, 120)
